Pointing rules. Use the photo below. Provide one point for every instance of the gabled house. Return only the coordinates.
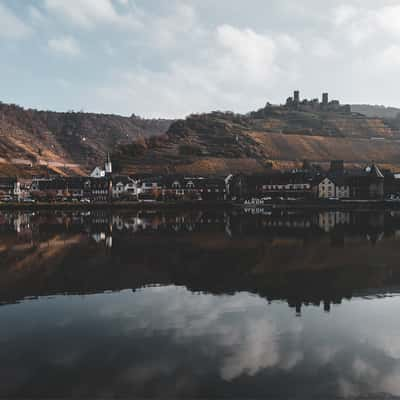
(124, 187)
(150, 188)
(336, 187)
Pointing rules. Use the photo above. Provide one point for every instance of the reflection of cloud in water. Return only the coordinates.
(255, 348)
(169, 341)
(247, 336)
(239, 327)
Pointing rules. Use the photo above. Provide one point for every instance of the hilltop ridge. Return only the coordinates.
(279, 136)
(40, 142)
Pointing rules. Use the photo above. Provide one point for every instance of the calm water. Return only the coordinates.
(200, 304)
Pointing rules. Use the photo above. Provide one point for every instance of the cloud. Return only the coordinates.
(361, 23)
(343, 14)
(322, 48)
(90, 13)
(168, 30)
(230, 62)
(12, 27)
(389, 58)
(64, 45)
(173, 57)
(246, 54)
(288, 42)
(387, 19)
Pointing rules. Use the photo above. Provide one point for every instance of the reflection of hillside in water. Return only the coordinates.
(297, 257)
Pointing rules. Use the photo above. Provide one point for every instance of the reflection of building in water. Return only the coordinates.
(160, 222)
(328, 220)
(102, 237)
(21, 223)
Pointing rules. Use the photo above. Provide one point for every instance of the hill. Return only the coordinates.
(376, 111)
(37, 142)
(280, 136)
(34, 141)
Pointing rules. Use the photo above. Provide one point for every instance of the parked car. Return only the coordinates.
(28, 200)
(85, 201)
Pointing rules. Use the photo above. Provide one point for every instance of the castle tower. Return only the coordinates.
(325, 99)
(296, 97)
(108, 165)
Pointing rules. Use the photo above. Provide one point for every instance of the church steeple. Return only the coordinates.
(108, 165)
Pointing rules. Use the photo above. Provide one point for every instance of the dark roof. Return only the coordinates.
(375, 171)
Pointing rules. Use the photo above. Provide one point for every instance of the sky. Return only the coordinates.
(171, 58)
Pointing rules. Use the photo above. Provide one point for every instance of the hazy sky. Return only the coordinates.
(169, 58)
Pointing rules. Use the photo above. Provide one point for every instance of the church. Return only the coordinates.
(98, 172)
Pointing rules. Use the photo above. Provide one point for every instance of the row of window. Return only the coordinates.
(281, 187)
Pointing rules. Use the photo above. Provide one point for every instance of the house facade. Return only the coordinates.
(10, 188)
(333, 188)
(273, 185)
(124, 187)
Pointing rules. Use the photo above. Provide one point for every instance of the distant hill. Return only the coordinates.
(376, 111)
(39, 142)
(220, 143)
(69, 142)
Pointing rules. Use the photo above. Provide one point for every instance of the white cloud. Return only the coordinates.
(389, 58)
(288, 42)
(89, 13)
(172, 29)
(246, 54)
(387, 19)
(64, 45)
(344, 14)
(11, 26)
(231, 62)
(172, 57)
(322, 48)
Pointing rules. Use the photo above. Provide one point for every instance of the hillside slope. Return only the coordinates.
(376, 111)
(71, 142)
(220, 143)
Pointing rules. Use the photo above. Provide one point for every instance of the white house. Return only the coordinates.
(124, 186)
(333, 187)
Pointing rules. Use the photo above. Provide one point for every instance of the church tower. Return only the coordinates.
(108, 165)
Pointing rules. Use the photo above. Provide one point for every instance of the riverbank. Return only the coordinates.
(115, 205)
(279, 204)
(328, 205)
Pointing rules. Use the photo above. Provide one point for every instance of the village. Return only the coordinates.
(309, 182)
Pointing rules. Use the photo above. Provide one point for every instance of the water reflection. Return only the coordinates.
(204, 304)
